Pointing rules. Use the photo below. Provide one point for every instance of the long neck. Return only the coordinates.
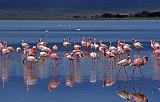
(144, 60)
(110, 44)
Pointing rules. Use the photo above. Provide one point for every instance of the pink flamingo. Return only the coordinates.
(66, 44)
(77, 53)
(83, 42)
(126, 48)
(24, 44)
(120, 50)
(54, 56)
(102, 49)
(96, 46)
(71, 58)
(110, 56)
(29, 72)
(94, 56)
(54, 83)
(7, 50)
(137, 63)
(138, 45)
(154, 44)
(124, 63)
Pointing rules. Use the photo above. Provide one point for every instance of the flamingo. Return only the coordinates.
(42, 43)
(138, 45)
(7, 50)
(55, 47)
(96, 46)
(110, 56)
(94, 56)
(43, 57)
(124, 63)
(154, 44)
(114, 51)
(102, 49)
(137, 63)
(120, 49)
(70, 57)
(76, 46)
(54, 83)
(53, 56)
(29, 72)
(66, 44)
(24, 44)
(18, 49)
(77, 53)
(156, 52)
(126, 48)
(83, 42)
(89, 43)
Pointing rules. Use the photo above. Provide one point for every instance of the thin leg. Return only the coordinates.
(142, 73)
(126, 78)
(133, 79)
(118, 73)
(126, 74)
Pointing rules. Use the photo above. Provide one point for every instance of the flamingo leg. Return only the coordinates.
(126, 78)
(118, 73)
(133, 79)
(126, 73)
(142, 74)
(138, 53)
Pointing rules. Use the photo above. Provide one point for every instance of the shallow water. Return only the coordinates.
(14, 31)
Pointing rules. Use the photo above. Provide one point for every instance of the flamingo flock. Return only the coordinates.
(114, 56)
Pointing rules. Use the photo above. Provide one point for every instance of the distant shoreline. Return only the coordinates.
(80, 19)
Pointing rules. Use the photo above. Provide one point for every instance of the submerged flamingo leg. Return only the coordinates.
(126, 78)
(126, 74)
(142, 74)
(133, 79)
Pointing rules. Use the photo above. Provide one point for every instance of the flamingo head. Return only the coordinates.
(34, 48)
(83, 38)
(146, 58)
(22, 41)
(64, 39)
(134, 40)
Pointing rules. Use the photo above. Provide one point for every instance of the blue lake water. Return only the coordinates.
(14, 31)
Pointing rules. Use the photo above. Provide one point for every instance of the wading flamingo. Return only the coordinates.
(70, 79)
(137, 63)
(138, 45)
(94, 56)
(66, 44)
(124, 63)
